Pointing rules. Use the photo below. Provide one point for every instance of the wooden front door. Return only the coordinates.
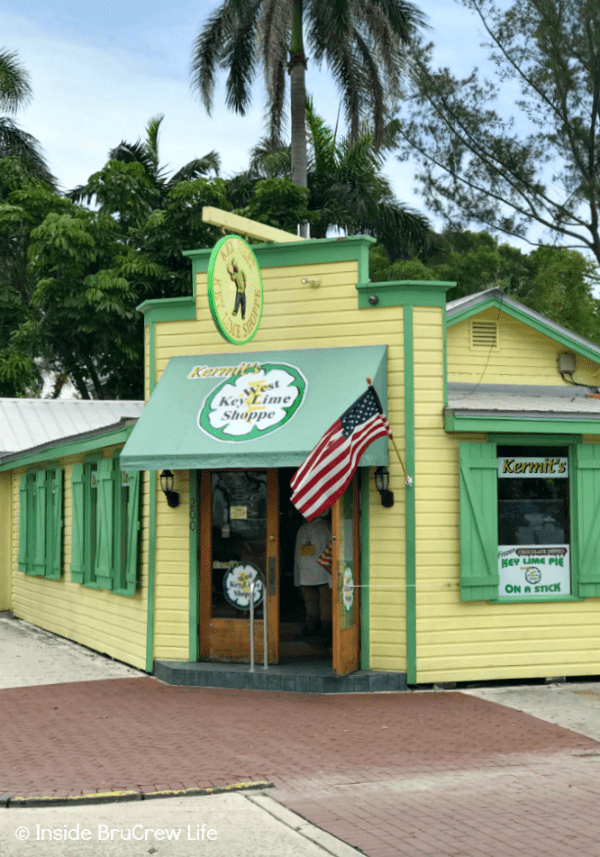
(239, 537)
(346, 573)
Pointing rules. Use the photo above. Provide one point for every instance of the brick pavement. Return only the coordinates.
(412, 774)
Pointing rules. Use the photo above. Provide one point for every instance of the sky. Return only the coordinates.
(100, 69)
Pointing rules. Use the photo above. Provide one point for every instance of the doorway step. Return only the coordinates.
(298, 677)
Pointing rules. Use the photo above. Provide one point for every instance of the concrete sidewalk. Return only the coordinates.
(421, 774)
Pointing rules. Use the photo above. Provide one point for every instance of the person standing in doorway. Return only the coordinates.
(312, 574)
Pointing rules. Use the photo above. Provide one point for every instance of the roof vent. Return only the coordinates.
(484, 334)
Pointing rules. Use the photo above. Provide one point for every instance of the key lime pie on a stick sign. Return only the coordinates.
(235, 290)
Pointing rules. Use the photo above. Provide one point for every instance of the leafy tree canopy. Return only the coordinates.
(540, 166)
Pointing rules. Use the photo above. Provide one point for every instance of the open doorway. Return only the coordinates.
(299, 637)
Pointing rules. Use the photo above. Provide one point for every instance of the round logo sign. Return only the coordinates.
(235, 290)
(236, 585)
(348, 588)
(533, 574)
(253, 405)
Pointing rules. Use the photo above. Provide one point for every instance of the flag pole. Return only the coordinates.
(409, 480)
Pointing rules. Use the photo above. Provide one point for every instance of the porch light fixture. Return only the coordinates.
(166, 483)
(382, 482)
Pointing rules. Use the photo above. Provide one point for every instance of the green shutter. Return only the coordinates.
(478, 522)
(55, 525)
(586, 521)
(78, 528)
(133, 526)
(23, 520)
(39, 562)
(105, 524)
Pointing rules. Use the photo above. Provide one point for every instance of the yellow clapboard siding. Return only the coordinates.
(107, 622)
(523, 353)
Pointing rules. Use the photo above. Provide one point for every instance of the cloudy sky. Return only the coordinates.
(101, 68)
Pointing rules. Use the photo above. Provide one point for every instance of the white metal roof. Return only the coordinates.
(526, 401)
(30, 423)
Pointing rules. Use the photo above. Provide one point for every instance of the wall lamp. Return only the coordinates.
(166, 483)
(382, 482)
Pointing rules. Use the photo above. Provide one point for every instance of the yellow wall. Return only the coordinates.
(5, 541)
(471, 641)
(294, 316)
(106, 622)
(523, 355)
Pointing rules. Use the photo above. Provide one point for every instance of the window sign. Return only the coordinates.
(534, 558)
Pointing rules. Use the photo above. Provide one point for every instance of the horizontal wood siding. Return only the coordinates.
(523, 356)
(294, 316)
(477, 641)
(112, 624)
(5, 541)
(172, 579)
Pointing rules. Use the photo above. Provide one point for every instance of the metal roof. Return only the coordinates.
(524, 402)
(29, 423)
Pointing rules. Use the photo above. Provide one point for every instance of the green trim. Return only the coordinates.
(194, 524)
(409, 494)
(445, 355)
(168, 309)
(534, 439)
(58, 450)
(151, 523)
(524, 317)
(151, 574)
(288, 253)
(365, 576)
(403, 293)
(457, 423)
(152, 357)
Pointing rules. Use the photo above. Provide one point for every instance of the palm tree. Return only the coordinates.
(361, 42)
(348, 191)
(146, 153)
(15, 92)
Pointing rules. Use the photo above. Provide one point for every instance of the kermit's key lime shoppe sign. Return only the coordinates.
(235, 290)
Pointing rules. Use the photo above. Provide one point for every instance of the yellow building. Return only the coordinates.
(481, 564)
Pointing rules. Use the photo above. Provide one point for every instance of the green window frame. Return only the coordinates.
(41, 523)
(106, 526)
(478, 524)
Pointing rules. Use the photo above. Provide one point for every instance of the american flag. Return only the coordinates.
(326, 472)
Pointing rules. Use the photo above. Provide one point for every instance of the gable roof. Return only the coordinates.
(463, 308)
(27, 424)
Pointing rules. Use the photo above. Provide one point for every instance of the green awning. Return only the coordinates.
(252, 409)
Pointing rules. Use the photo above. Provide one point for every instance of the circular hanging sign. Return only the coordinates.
(254, 404)
(235, 289)
(236, 585)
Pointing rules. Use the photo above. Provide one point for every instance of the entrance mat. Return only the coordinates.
(293, 677)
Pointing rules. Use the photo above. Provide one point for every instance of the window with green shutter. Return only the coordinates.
(105, 526)
(529, 519)
(41, 523)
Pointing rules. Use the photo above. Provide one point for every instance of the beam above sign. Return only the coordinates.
(246, 227)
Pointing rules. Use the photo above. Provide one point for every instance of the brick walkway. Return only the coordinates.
(411, 774)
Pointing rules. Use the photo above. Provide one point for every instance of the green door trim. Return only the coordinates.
(365, 628)
(409, 494)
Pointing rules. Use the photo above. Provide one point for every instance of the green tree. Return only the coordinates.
(555, 281)
(361, 42)
(542, 164)
(24, 204)
(347, 189)
(15, 92)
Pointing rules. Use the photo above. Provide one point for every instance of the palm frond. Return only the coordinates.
(196, 168)
(14, 142)
(15, 89)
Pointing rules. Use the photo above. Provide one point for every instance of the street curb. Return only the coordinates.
(14, 801)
